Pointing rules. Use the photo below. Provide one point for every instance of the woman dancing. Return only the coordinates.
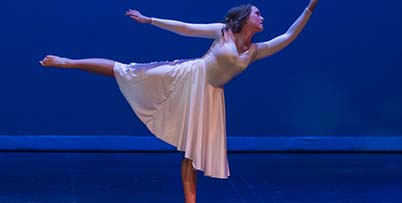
(182, 102)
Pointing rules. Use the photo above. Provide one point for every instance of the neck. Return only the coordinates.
(243, 40)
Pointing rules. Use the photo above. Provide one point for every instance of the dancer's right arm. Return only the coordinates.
(212, 30)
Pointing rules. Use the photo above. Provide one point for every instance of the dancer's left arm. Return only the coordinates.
(273, 46)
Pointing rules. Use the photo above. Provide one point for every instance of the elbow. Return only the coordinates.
(184, 30)
(289, 35)
(292, 34)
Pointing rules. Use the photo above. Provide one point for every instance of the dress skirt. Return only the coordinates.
(178, 105)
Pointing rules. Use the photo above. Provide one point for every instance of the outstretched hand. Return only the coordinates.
(312, 4)
(137, 16)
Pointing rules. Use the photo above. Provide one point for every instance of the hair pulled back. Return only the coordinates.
(237, 17)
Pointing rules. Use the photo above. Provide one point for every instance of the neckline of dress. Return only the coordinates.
(247, 50)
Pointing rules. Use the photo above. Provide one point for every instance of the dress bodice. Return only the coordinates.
(223, 62)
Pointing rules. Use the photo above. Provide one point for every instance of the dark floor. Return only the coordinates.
(38, 177)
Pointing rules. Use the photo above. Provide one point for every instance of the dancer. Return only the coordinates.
(182, 102)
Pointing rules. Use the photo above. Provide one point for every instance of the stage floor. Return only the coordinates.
(72, 177)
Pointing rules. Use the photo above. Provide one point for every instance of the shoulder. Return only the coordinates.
(253, 51)
(218, 27)
(253, 48)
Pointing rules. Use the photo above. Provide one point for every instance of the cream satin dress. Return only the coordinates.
(182, 102)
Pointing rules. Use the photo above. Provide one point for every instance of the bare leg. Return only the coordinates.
(95, 65)
(189, 179)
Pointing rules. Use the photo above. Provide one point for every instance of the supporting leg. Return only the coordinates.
(189, 179)
(94, 65)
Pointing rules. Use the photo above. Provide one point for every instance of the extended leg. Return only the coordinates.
(95, 65)
(189, 179)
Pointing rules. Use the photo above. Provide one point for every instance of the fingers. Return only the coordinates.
(137, 16)
(129, 12)
(227, 34)
(132, 12)
(42, 62)
(134, 18)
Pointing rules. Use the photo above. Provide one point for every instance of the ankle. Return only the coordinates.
(190, 199)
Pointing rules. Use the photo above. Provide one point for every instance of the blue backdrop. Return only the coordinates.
(342, 76)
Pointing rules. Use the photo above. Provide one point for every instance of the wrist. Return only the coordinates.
(311, 7)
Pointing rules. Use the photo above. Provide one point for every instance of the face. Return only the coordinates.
(255, 20)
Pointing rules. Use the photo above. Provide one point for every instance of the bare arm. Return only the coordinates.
(211, 30)
(273, 46)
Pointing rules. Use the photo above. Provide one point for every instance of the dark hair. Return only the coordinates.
(236, 17)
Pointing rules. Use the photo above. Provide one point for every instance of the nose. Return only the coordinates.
(262, 18)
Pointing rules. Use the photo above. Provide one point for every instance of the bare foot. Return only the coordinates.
(54, 61)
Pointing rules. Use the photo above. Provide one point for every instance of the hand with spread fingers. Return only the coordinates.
(137, 16)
